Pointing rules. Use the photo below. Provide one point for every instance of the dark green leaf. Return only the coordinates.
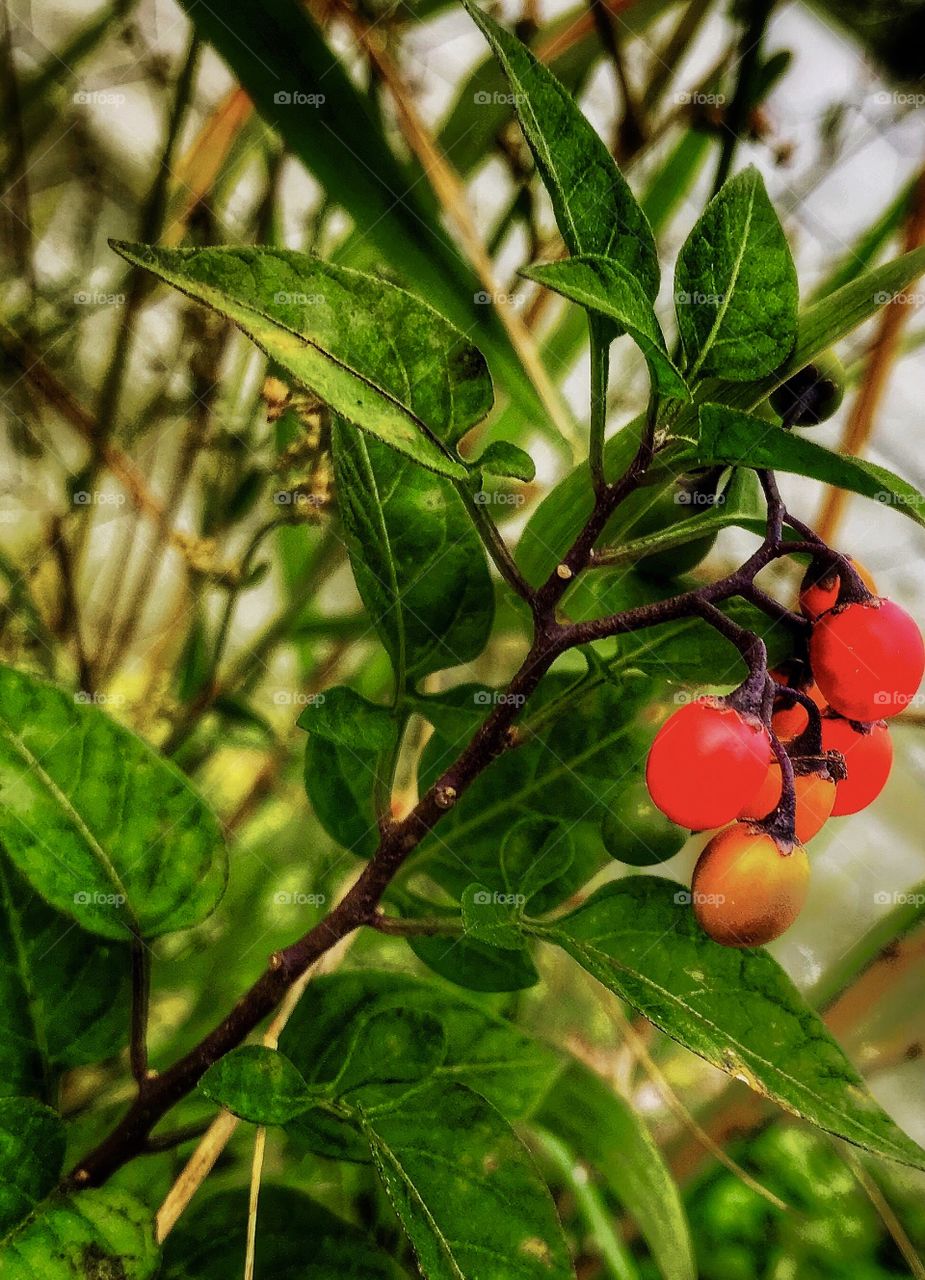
(418, 562)
(32, 1144)
(534, 854)
(381, 358)
(347, 719)
(595, 210)
(103, 827)
(606, 289)
(735, 286)
(465, 1188)
(392, 1046)
(93, 1235)
(606, 1132)
(341, 785)
(64, 994)
(296, 1239)
(258, 1084)
(639, 937)
(731, 437)
(488, 916)
(485, 1052)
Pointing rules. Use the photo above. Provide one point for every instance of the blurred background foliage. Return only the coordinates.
(169, 539)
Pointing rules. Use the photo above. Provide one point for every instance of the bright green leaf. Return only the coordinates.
(639, 937)
(509, 461)
(606, 1132)
(728, 436)
(489, 917)
(606, 289)
(595, 210)
(735, 286)
(344, 717)
(381, 358)
(93, 1234)
(102, 826)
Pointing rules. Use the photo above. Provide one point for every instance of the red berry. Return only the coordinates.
(868, 759)
(705, 761)
(868, 659)
(820, 587)
(746, 889)
(815, 796)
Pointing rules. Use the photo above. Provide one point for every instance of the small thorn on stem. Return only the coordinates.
(444, 795)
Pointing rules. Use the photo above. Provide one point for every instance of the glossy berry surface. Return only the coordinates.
(705, 761)
(868, 758)
(746, 890)
(868, 659)
(815, 799)
(789, 722)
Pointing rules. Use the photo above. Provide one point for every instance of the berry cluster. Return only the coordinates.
(771, 772)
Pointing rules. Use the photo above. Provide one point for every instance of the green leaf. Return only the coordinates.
(418, 562)
(482, 1051)
(606, 1132)
(489, 917)
(347, 719)
(32, 1142)
(463, 959)
(534, 854)
(562, 776)
(606, 289)
(258, 1084)
(100, 825)
(821, 326)
(731, 437)
(381, 358)
(509, 461)
(595, 210)
(64, 994)
(735, 285)
(89, 1236)
(465, 1188)
(297, 1239)
(639, 938)
(392, 1046)
(304, 92)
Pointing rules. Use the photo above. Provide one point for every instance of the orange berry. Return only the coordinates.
(746, 889)
(815, 798)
